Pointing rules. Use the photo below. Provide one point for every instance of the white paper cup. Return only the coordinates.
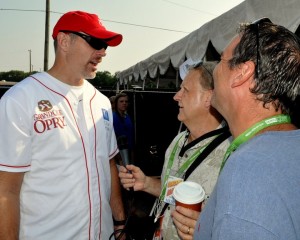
(189, 194)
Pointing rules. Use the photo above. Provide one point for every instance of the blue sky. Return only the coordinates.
(23, 30)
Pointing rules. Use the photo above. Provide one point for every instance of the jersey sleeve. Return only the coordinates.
(15, 139)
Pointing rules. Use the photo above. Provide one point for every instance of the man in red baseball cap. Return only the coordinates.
(61, 180)
(88, 40)
(87, 23)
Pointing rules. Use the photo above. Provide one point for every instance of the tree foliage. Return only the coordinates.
(102, 80)
(14, 75)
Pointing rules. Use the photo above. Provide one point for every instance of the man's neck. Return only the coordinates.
(63, 76)
(201, 128)
(279, 127)
(241, 124)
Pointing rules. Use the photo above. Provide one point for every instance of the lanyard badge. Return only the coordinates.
(171, 183)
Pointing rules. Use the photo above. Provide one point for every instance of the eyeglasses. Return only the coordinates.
(201, 63)
(255, 25)
(95, 43)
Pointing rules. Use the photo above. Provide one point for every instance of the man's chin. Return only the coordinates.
(90, 76)
(179, 117)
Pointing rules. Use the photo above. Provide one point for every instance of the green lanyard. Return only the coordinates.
(250, 132)
(182, 168)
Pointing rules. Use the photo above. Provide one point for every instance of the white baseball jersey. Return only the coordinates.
(63, 144)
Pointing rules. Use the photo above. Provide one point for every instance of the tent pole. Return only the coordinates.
(177, 72)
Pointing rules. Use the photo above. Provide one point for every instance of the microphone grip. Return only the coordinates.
(125, 157)
(126, 161)
(124, 152)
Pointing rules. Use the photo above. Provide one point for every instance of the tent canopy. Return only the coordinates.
(217, 32)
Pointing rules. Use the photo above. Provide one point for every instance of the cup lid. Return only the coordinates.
(189, 192)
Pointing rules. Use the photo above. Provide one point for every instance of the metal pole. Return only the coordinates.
(46, 48)
(134, 117)
(135, 87)
(29, 60)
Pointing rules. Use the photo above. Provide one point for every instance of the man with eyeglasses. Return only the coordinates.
(58, 178)
(257, 195)
(193, 155)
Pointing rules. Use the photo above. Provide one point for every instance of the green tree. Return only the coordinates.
(14, 75)
(104, 80)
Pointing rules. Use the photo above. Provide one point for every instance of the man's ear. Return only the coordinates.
(63, 40)
(208, 98)
(245, 72)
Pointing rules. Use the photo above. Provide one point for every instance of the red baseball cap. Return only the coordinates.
(88, 23)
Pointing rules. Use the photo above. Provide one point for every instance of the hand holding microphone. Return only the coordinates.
(123, 149)
(124, 152)
(137, 179)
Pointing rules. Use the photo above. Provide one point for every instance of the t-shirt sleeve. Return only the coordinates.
(234, 228)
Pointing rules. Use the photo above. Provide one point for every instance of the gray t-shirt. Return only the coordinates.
(257, 195)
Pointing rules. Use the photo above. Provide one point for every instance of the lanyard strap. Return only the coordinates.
(225, 133)
(250, 132)
(182, 168)
(191, 160)
(171, 160)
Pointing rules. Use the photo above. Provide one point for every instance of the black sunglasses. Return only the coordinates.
(95, 43)
(255, 26)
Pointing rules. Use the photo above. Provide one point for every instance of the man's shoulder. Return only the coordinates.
(26, 87)
(179, 136)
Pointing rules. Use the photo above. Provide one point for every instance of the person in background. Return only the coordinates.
(58, 178)
(256, 84)
(204, 126)
(112, 102)
(123, 125)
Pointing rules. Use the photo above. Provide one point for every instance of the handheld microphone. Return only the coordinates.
(123, 149)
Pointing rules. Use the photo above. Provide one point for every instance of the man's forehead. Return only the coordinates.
(192, 74)
(191, 78)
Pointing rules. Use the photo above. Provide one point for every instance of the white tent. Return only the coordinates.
(217, 33)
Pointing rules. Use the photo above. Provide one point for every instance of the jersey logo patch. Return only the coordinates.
(48, 118)
(105, 114)
(44, 105)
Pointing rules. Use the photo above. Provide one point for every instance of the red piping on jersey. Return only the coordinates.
(10, 166)
(114, 153)
(95, 148)
(85, 157)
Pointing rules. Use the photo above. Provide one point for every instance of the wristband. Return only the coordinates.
(119, 223)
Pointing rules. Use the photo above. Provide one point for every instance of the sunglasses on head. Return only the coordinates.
(200, 63)
(255, 25)
(95, 43)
